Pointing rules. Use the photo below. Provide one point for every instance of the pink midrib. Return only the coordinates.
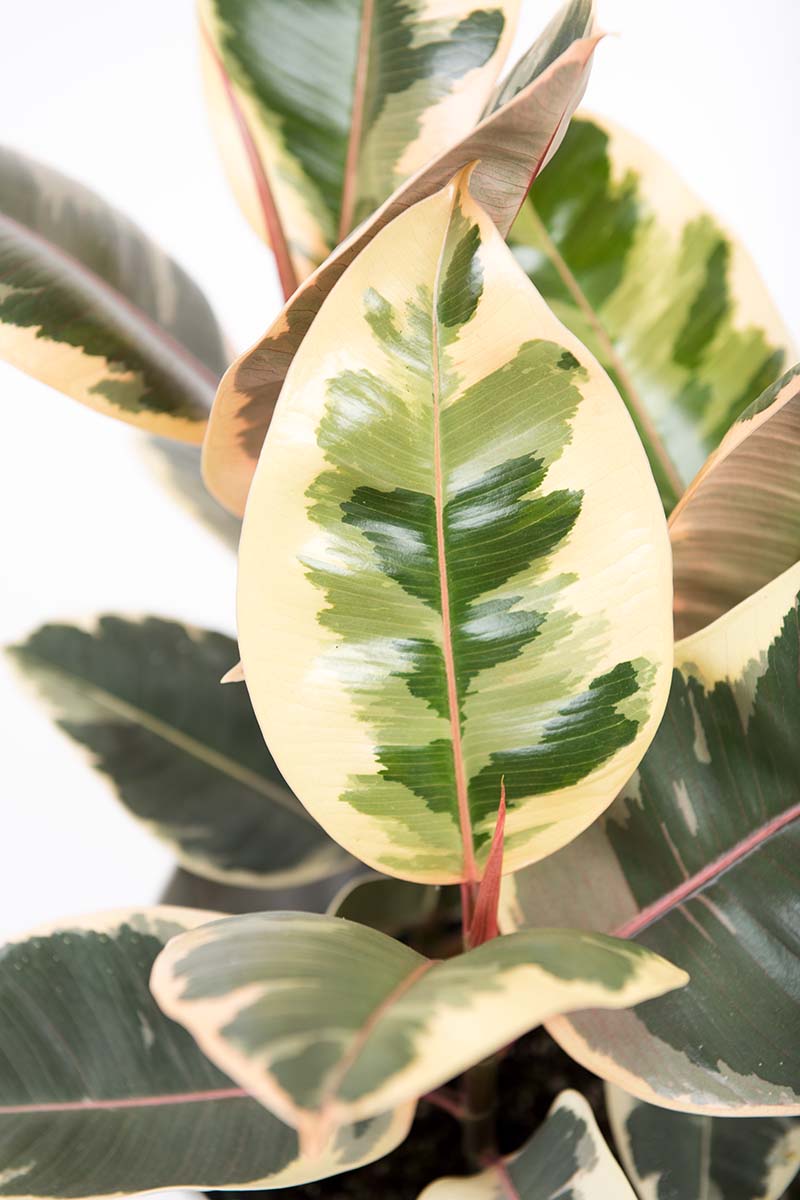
(356, 121)
(697, 882)
(128, 1102)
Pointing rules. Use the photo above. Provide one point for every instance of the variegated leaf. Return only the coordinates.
(738, 524)
(91, 306)
(699, 858)
(322, 110)
(685, 1156)
(392, 905)
(666, 299)
(454, 565)
(184, 755)
(101, 1095)
(510, 146)
(566, 1159)
(328, 1022)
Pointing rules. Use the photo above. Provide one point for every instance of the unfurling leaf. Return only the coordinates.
(510, 146)
(322, 110)
(184, 755)
(566, 1159)
(667, 299)
(454, 565)
(698, 859)
(328, 1022)
(687, 1156)
(101, 1095)
(89, 305)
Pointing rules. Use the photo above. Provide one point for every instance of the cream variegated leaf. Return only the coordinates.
(665, 297)
(510, 146)
(92, 307)
(698, 859)
(322, 110)
(328, 1022)
(454, 566)
(566, 1159)
(738, 524)
(687, 1156)
(101, 1095)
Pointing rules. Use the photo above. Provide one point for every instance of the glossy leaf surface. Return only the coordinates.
(685, 1156)
(323, 110)
(454, 564)
(738, 525)
(328, 1022)
(665, 297)
(183, 754)
(566, 1159)
(509, 146)
(89, 305)
(699, 858)
(101, 1095)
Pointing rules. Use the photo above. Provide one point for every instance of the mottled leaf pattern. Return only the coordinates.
(509, 147)
(328, 1022)
(184, 755)
(668, 301)
(101, 1095)
(323, 110)
(91, 306)
(686, 1156)
(566, 1159)
(699, 859)
(738, 524)
(453, 566)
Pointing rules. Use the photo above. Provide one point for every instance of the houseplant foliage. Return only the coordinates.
(511, 347)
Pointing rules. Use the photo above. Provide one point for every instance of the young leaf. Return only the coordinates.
(566, 1159)
(698, 859)
(510, 146)
(738, 524)
(454, 565)
(684, 1156)
(183, 754)
(328, 1022)
(322, 110)
(91, 306)
(665, 298)
(101, 1095)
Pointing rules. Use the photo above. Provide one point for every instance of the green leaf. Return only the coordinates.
(393, 906)
(89, 305)
(184, 755)
(665, 298)
(684, 1156)
(322, 110)
(566, 1159)
(101, 1095)
(436, 563)
(328, 1022)
(509, 147)
(738, 524)
(698, 859)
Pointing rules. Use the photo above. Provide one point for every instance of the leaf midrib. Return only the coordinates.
(348, 199)
(184, 742)
(154, 1101)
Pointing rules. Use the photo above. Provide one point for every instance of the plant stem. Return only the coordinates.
(480, 1108)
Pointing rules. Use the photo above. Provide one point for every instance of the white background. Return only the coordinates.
(108, 91)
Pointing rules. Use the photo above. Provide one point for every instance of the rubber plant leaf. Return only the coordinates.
(687, 1156)
(328, 1022)
(101, 1095)
(698, 859)
(510, 145)
(566, 1159)
(322, 110)
(454, 565)
(738, 524)
(92, 307)
(666, 298)
(183, 754)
